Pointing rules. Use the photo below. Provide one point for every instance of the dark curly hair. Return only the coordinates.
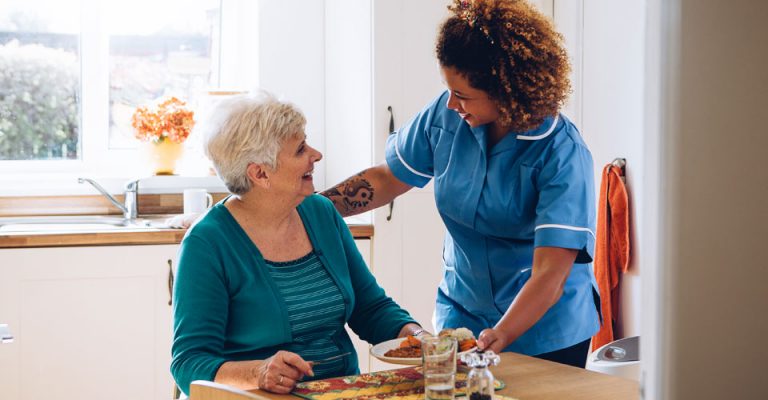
(512, 52)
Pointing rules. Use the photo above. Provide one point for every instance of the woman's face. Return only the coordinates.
(473, 105)
(295, 165)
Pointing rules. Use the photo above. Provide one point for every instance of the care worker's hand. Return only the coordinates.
(183, 221)
(279, 373)
(492, 339)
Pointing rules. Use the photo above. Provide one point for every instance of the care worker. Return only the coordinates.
(513, 183)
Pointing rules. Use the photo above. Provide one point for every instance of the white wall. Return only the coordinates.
(317, 54)
(348, 88)
(291, 47)
(569, 21)
(714, 186)
(612, 119)
(653, 350)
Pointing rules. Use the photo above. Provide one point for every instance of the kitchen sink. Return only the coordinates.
(76, 223)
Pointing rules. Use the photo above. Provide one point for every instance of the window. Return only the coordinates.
(315, 54)
(167, 52)
(72, 73)
(39, 81)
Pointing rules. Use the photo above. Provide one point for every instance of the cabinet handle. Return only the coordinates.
(391, 131)
(170, 282)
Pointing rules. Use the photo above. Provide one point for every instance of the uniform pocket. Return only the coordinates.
(506, 295)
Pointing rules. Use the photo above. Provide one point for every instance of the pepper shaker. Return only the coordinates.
(480, 381)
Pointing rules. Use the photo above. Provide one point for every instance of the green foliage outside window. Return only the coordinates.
(39, 115)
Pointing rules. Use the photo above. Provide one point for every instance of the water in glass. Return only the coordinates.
(439, 367)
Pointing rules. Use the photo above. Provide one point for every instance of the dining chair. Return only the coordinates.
(207, 390)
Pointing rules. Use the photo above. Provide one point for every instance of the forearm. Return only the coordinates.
(551, 267)
(277, 374)
(240, 374)
(535, 298)
(365, 191)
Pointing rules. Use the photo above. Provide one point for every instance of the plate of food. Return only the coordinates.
(407, 351)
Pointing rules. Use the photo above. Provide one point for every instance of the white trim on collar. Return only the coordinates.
(543, 135)
(397, 151)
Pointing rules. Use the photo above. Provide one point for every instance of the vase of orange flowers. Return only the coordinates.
(163, 128)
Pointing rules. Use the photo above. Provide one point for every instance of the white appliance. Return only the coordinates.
(619, 358)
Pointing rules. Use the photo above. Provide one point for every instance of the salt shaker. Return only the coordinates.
(480, 382)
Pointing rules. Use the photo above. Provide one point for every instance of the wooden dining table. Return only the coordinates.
(529, 378)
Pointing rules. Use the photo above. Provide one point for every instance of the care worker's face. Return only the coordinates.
(295, 166)
(473, 105)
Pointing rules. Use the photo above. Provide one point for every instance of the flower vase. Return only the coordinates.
(163, 156)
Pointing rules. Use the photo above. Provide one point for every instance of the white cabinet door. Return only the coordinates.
(361, 346)
(407, 248)
(89, 322)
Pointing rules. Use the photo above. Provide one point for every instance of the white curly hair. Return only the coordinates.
(248, 129)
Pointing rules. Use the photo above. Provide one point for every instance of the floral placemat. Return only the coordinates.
(400, 384)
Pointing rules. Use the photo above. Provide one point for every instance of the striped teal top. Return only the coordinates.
(315, 311)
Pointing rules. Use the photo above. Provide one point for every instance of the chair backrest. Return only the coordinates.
(206, 390)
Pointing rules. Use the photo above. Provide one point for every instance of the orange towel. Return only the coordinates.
(611, 248)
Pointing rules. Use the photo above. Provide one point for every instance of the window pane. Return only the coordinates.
(156, 49)
(39, 80)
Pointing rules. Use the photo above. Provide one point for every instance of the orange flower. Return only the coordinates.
(169, 120)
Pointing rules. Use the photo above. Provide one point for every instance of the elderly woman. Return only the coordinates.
(268, 278)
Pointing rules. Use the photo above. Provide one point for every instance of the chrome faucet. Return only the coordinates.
(131, 207)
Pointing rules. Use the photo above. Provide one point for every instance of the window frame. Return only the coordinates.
(234, 69)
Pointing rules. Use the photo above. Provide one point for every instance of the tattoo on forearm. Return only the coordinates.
(352, 195)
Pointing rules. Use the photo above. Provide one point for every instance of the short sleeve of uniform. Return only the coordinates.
(565, 213)
(409, 150)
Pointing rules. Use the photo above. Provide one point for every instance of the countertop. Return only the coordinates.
(125, 236)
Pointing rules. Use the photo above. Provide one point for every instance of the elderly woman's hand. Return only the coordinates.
(279, 373)
(412, 330)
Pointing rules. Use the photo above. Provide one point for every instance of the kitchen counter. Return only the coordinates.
(124, 236)
(153, 207)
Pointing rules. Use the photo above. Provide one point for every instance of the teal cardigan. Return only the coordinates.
(227, 307)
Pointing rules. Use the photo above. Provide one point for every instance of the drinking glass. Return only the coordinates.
(439, 367)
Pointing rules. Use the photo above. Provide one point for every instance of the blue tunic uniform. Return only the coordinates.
(531, 189)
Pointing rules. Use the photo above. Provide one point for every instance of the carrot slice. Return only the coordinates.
(467, 344)
(410, 341)
(414, 342)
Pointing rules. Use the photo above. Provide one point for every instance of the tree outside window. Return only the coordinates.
(39, 88)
